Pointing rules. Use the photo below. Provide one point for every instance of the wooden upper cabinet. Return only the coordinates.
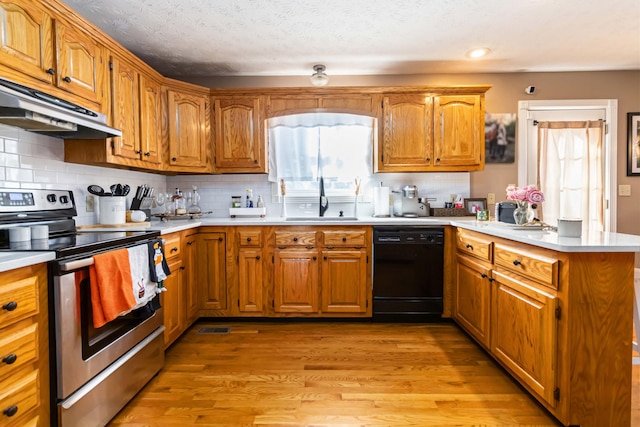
(356, 103)
(125, 109)
(26, 39)
(427, 133)
(281, 105)
(136, 111)
(150, 120)
(407, 133)
(80, 63)
(240, 143)
(459, 131)
(188, 132)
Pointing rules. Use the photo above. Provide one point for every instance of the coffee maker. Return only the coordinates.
(410, 201)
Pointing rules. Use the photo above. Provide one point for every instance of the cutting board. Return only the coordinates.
(128, 224)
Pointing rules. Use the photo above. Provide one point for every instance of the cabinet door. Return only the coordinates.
(124, 108)
(295, 287)
(407, 139)
(212, 271)
(171, 302)
(250, 280)
(79, 63)
(524, 333)
(26, 39)
(472, 298)
(150, 119)
(344, 281)
(187, 135)
(459, 134)
(239, 135)
(190, 286)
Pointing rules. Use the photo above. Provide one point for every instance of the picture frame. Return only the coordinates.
(471, 206)
(633, 144)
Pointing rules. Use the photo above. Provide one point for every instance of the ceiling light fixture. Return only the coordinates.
(478, 53)
(319, 77)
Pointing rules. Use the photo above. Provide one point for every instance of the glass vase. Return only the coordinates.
(521, 211)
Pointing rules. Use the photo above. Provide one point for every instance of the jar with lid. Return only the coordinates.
(194, 207)
(236, 201)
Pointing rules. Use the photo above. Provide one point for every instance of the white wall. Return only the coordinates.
(28, 160)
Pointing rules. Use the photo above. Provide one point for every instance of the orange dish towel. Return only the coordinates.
(111, 286)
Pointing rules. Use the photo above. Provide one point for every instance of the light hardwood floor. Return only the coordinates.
(334, 374)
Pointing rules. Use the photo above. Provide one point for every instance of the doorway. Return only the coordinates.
(530, 112)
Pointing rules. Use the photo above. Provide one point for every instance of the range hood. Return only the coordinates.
(38, 112)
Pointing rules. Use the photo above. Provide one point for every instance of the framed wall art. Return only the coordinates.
(500, 137)
(633, 144)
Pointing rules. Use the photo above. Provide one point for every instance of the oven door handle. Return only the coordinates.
(74, 265)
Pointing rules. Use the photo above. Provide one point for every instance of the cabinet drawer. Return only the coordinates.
(295, 238)
(534, 264)
(18, 300)
(473, 244)
(18, 346)
(344, 238)
(251, 238)
(20, 392)
(172, 246)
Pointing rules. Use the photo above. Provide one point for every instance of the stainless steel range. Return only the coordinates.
(94, 371)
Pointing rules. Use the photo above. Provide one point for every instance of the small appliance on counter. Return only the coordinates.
(504, 212)
(410, 201)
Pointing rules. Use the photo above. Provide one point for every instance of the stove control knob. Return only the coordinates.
(51, 198)
(64, 199)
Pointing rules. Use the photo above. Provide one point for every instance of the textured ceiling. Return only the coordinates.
(360, 37)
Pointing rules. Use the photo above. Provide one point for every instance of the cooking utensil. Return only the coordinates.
(96, 190)
(125, 189)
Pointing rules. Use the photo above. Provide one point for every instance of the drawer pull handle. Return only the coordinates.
(248, 239)
(484, 276)
(51, 71)
(148, 153)
(67, 79)
(9, 359)
(258, 257)
(295, 239)
(491, 279)
(174, 249)
(190, 243)
(182, 268)
(10, 306)
(325, 258)
(309, 247)
(344, 239)
(11, 411)
(469, 246)
(516, 262)
(314, 258)
(219, 239)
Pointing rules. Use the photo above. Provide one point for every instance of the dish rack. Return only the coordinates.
(167, 217)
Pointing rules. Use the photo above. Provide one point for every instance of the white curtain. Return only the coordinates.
(571, 172)
(303, 147)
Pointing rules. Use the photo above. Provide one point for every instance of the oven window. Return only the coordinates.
(96, 339)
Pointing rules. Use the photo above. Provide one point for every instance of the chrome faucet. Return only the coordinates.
(324, 202)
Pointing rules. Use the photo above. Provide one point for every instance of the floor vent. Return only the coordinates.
(214, 330)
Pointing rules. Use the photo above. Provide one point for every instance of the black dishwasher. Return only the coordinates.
(408, 265)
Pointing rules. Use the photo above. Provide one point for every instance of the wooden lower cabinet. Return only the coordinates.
(250, 280)
(190, 263)
(172, 302)
(24, 343)
(472, 294)
(558, 322)
(212, 272)
(344, 281)
(525, 333)
(295, 281)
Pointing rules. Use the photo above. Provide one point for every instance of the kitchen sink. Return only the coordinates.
(321, 218)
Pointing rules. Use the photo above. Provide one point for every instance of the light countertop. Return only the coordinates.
(589, 242)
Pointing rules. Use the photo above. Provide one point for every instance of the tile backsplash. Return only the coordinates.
(29, 160)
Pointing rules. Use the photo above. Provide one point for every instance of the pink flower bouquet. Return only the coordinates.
(529, 193)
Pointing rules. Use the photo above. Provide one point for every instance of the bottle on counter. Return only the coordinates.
(260, 202)
(179, 202)
(249, 199)
(194, 207)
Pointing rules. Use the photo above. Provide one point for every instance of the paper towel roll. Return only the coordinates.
(381, 201)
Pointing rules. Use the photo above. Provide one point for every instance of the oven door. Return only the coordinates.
(83, 351)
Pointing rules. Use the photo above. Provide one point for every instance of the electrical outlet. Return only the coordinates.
(91, 203)
(624, 190)
(491, 198)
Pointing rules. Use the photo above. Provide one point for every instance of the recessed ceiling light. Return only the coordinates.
(478, 53)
